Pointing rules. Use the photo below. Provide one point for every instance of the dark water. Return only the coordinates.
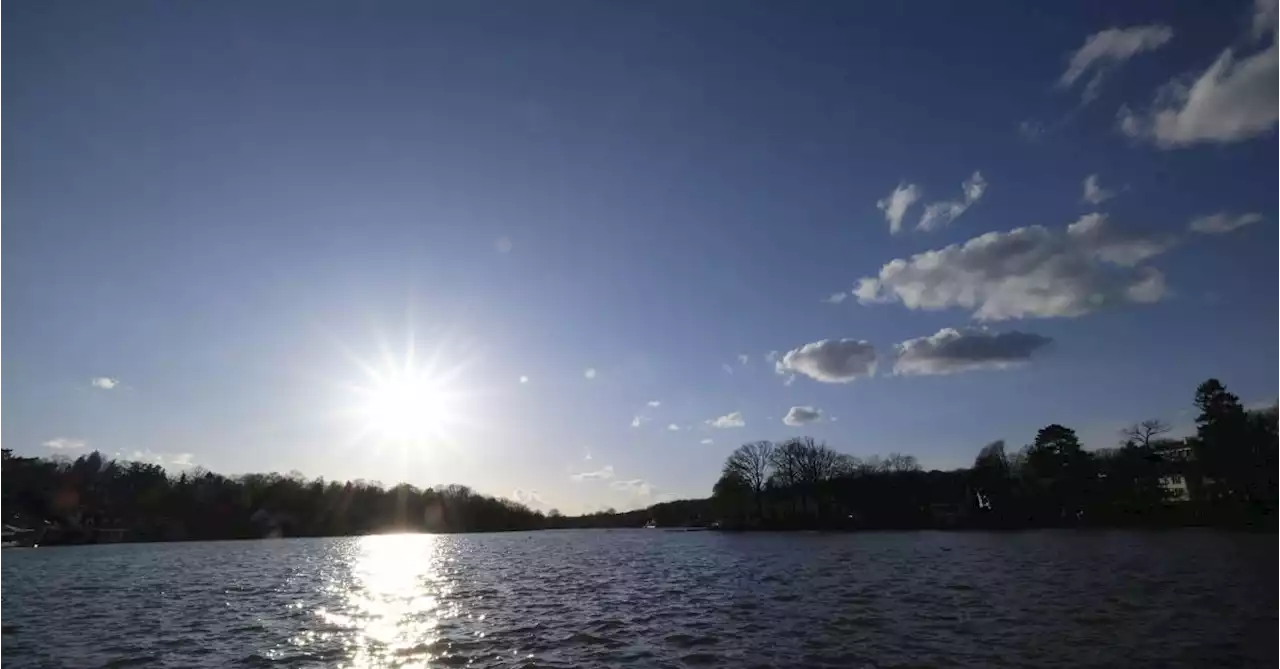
(647, 598)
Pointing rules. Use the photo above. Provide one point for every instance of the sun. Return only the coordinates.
(408, 405)
(410, 399)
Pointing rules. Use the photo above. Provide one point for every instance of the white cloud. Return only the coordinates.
(791, 378)
(830, 360)
(1222, 222)
(771, 356)
(896, 204)
(835, 298)
(504, 245)
(1233, 100)
(530, 498)
(654, 404)
(104, 382)
(733, 419)
(950, 351)
(524, 379)
(673, 427)
(66, 444)
(708, 440)
(1094, 193)
(941, 214)
(728, 369)
(638, 487)
(605, 472)
(1103, 51)
(590, 373)
(798, 416)
(638, 421)
(1029, 272)
(743, 358)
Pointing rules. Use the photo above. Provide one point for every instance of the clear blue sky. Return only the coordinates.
(217, 210)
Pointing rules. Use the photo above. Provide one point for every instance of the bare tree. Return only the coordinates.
(897, 462)
(787, 459)
(753, 463)
(1146, 431)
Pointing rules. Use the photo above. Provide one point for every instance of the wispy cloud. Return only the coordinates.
(1222, 223)
(639, 420)
(590, 373)
(728, 369)
(66, 444)
(733, 419)
(1102, 52)
(605, 472)
(673, 427)
(1233, 100)
(895, 204)
(654, 404)
(104, 382)
(1094, 193)
(1032, 131)
(524, 379)
(834, 298)
(941, 214)
(743, 358)
(708, 440)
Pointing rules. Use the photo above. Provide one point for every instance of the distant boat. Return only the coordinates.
(651, 525)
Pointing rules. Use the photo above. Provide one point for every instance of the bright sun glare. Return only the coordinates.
(407, 403)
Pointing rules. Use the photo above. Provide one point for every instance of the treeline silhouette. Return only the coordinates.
(82, 498)
(1224, 475)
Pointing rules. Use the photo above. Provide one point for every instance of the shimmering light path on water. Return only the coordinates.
(651, 599)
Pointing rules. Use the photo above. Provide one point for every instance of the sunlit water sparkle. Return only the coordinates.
(650, 598)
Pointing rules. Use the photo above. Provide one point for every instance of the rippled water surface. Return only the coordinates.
(649, 598)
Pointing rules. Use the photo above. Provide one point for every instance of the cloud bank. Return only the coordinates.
(1030, 272)
(830, 360)
(950, 351)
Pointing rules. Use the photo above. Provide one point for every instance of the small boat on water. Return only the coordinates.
(651, 525)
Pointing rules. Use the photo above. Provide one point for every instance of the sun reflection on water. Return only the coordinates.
(393, 601)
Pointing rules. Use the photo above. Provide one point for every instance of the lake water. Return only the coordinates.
(651, 598)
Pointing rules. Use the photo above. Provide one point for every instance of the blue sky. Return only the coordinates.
(224, 212)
